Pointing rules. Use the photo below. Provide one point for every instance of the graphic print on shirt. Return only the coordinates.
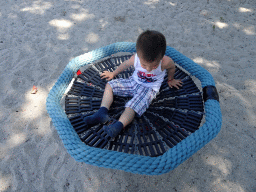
(146, 78)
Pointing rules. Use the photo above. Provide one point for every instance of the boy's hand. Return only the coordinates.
(175, 83)
(107, 75)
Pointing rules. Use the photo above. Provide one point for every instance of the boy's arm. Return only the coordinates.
(125, 65)
(170, 66)
(171, 72)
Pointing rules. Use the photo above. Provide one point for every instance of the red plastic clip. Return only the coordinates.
(78, 72)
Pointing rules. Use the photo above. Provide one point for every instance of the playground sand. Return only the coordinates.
(39, 38)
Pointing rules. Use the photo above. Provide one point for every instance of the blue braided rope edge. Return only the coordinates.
(127, 162)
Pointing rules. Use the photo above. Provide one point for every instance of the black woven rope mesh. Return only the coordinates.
(172, 116)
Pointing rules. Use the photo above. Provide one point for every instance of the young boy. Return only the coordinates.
(150, 65)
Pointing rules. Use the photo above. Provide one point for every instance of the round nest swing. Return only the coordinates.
(166, 135)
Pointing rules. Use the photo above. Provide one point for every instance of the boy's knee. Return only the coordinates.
(130, 110)
(108, 86)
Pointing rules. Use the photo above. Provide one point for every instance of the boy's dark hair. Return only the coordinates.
(151, 44)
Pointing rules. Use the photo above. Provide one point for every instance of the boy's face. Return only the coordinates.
(149, 66)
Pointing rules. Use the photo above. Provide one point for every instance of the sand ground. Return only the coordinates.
(37, 40)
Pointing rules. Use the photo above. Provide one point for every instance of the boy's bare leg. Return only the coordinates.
(107, 99)
(127, 116)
